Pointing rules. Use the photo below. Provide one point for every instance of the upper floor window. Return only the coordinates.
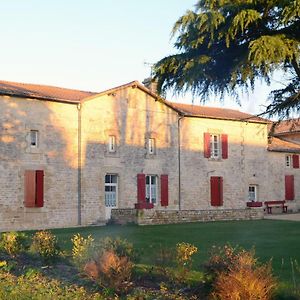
(151, 146)
(252, 193)
(288, 161)
(215, 146)
(34, 137)
(111, 143)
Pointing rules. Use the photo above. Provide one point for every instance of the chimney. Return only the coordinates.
(150, 84)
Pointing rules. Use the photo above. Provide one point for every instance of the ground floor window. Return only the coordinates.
(111, 190)
(252, 193)
(151, 188)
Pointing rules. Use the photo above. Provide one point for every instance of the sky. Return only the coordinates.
(94, 45)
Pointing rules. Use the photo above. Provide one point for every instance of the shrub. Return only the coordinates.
(45, 244)
(13, 243)
(111, 271)
(237, 274)
(82, 249)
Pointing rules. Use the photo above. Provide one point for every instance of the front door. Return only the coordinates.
(111, 194)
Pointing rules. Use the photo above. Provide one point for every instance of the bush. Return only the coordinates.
(82, 249)
(13, 243)
(111, 271)
(237, 274)
(45, 244)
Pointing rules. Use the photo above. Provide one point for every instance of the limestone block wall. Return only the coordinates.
(56, 154)
(246, 163)
(155, 217)
(276, 178)
(132, 116)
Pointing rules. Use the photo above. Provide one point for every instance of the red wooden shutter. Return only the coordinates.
(206, 143)
(39, 201)
(164, 190)
(29, 188)
(296, 161)
(141, 188)
(224, 140)
(216, 190)
(289, 187)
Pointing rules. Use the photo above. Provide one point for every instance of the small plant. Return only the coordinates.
(184, 252)
(13, 243)
(45, 244)
(82, 248)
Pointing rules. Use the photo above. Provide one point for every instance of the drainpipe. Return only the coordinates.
(79, 166)
(179, 161)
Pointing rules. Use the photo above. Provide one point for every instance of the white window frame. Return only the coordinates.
(34, 138)
(152, 189)
(151, 146)
(215, 146)
(288, 161)
(108, 195)
(111, 144)
(253, 195)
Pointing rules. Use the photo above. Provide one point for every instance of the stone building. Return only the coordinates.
(71, 157)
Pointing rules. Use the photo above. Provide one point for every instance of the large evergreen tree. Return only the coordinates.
(225, 45)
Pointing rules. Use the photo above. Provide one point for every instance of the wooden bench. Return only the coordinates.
(271, 204)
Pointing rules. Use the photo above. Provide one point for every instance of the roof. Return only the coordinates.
(279, 145)
(286, 127)
(216, 113)
(52, 93)
(43, 92)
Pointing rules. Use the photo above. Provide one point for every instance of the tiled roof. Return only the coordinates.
(287, 126)
(279, 145)
(44, 92)
(216, 113)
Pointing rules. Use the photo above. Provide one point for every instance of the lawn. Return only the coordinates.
(276, 240)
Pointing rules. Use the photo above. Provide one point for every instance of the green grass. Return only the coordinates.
(276, 240)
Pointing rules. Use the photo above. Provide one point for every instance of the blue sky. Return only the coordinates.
(93, 44)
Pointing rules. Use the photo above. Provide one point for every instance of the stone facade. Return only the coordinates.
(56, 154)
(73, 151)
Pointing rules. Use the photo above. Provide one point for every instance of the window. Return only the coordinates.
(151, 146)
(111, 143)
(214, 146)
(252, 193)
(111, 190)
(34, 138)
(288, 161)
(34, 188)
(151, 188)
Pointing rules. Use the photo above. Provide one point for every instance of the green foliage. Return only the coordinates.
(45, 244)
(228, 44)
(34, 286)
(121, 247)
(13, 243)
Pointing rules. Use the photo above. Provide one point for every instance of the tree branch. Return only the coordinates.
(296, 66)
